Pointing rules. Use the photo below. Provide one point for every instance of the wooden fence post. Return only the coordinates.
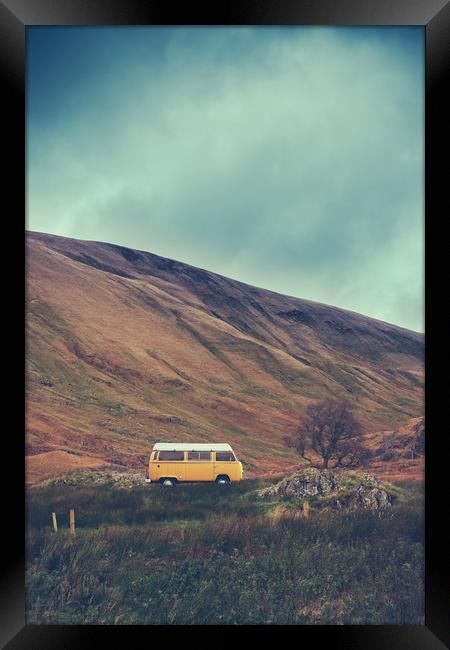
(306, 508)
(55, 525)
(72, 521)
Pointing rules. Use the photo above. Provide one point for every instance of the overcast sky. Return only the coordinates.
(288, 158)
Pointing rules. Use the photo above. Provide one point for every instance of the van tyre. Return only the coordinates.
(223, 480)
(168, 482)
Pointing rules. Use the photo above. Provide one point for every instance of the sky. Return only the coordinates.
(290, 158)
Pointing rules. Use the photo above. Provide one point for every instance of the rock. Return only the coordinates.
(100, 477)
(305, 483)
(332, 489)
(369, 494)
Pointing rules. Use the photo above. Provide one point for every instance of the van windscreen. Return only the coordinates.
(171, 455)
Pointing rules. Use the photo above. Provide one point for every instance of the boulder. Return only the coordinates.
(305, 483)
(332, 489)
(370, 494)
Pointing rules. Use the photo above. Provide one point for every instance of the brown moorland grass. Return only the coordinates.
(204, 554)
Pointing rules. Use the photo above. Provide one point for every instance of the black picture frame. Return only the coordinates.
(15, 17)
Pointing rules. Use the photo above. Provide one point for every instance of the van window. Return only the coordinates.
(225, 456)
(199, 455)
(171, 455)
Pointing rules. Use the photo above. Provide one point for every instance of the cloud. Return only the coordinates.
(287, 158)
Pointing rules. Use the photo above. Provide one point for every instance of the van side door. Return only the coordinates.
(171, 464)
(199, 466)
(226, 465)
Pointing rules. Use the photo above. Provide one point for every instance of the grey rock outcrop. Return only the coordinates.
(370, 494)
(100, 477)
(305, 483)
(333, 489)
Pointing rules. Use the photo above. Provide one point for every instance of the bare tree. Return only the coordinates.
(330, 429)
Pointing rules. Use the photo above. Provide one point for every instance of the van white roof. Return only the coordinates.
(191, 446)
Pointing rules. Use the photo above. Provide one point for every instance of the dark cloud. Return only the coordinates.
(291, 159)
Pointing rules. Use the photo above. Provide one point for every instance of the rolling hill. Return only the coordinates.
(125, 347)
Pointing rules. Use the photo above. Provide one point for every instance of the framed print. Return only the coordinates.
(228, 220)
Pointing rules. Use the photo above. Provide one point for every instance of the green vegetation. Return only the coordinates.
(206, 554)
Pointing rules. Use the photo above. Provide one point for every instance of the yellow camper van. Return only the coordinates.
(172, 463)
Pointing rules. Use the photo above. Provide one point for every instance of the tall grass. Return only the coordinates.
(207, 555)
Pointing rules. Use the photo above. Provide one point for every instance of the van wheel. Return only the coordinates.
(168, 482)
(223, 480)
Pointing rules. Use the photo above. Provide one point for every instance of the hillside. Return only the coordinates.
(125, 348)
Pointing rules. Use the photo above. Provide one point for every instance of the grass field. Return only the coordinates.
(207, 554)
